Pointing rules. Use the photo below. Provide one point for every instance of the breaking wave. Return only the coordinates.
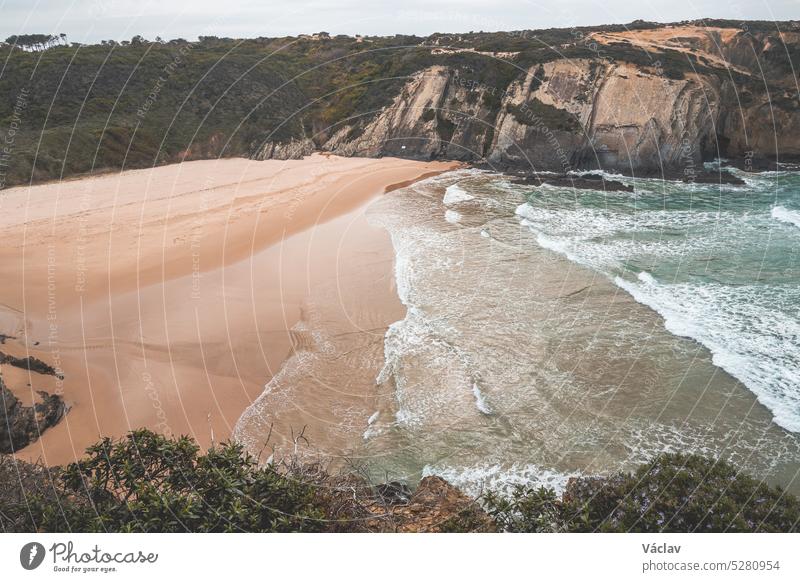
(785, 215)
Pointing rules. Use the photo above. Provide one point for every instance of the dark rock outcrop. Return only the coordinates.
(21, 425)
(30, 363)
(584, 182)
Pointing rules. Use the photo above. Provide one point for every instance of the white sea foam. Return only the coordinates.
(452, 216)
(419, 337)
(785, 215)
(596, 256)
(647, 278)
(255, 417)
(372, 428)
(590, 223)
(603, 173)
(455, 194)
(478, 479)
(747, 336)
(480, 399)
(558, 245)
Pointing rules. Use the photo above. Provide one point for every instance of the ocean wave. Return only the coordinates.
(751, 330)
(603, 173)
(607, 241)
(588, 223)
(254, 422)
(785, 215)
(647, 278)
(372, 428)
(419, 343)
(433, 378)
(747, 334)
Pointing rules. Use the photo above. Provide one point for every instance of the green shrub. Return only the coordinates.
(525, 510)
(445, 128)
(146, 482)
(674, 493)
(468, 520)
(534, 112)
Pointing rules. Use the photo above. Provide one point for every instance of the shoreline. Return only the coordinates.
(155, 291)
(721, 175)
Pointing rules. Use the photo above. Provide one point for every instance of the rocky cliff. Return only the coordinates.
(697, 94)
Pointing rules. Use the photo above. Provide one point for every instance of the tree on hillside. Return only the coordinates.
(37, 42)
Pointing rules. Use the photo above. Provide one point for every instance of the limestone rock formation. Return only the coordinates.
(589, 113)
(291, 150)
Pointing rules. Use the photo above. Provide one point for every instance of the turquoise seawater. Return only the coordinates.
(720, 264)
(555, 331)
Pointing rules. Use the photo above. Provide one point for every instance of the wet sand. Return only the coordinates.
(169, 297)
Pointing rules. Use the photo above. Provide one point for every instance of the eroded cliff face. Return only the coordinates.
(570, 114)
(739, 50)
(763, 128)
(435, 115)
(291, 150)
(633, 117)
(599, 112)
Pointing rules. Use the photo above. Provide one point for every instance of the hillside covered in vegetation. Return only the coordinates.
(642, 96)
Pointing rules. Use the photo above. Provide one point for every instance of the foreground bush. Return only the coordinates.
(146, 482)
(674, 493)
(149, 483)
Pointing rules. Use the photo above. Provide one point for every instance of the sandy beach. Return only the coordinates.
(170, 296)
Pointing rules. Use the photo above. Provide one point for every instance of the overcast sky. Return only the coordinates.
(93, 20)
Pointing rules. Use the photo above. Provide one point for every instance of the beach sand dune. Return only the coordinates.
(168, 296)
